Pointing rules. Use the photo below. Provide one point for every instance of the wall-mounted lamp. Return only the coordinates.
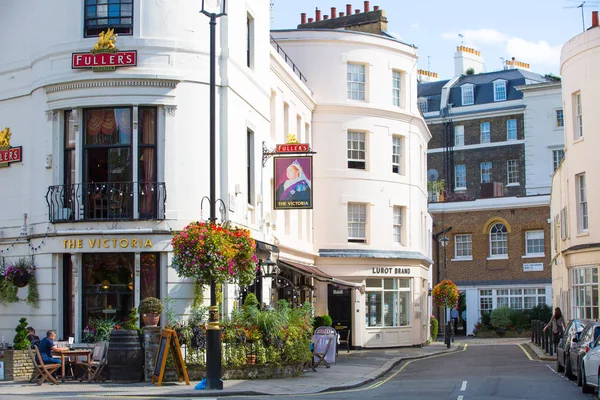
(268, 267)
(105, 284)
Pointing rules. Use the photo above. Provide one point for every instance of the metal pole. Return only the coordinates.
(213, 332)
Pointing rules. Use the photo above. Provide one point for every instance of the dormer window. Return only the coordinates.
(423, 106)
(468, 94)
(500, 90)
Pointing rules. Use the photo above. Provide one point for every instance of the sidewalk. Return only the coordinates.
(540, 353)
(351, 370)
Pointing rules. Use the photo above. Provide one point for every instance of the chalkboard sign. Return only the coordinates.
(323, 335)
(168, 339)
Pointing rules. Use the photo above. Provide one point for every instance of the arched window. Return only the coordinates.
(498, 240)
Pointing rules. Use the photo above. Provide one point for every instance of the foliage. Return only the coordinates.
(151, 305)
(486, 319)
(198, 315)
(170, 313)
(132, 322)
(434, 326)
(553, 78)
(323, 320)
(98, 330)
(470, 71)
(438, 187)
(520, 319)
(206, 251)
(8, 292)
(250, 301)
(20, 341)
(500, 317)
(541, 312)
(445, 294)
(33, 296)
(198, 294)
(20, 271)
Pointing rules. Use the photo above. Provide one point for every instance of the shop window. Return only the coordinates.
(101, 15)
(149, 275)
(585, 293)
(388, 302)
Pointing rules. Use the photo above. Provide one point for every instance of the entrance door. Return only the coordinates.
(339, 303)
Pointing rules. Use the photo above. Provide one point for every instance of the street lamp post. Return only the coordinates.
(444, 242)
(213, 9)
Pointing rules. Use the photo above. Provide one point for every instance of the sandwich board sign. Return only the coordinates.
(323, 335)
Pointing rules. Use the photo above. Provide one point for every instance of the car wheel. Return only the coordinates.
(568, 369)
(559, 366)
(585, 388)
(579, 373)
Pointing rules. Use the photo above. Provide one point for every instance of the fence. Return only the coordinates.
(232, 354)
(541, 338)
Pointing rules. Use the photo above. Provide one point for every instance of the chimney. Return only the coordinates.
(303, 18)
(594, 19)
(367, 8)
(426, 76)
(467, 58)
(375, 8)
(333, 13)
(341, 15)
(317, 15)
(325, 17)
(514, 64)
(357, 11)
(348, 9)
(310, 20)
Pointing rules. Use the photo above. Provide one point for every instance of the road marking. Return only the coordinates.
(463, 387)
(459, 398)
(525, 351)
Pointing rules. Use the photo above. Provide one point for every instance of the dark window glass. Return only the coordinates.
(101, 15)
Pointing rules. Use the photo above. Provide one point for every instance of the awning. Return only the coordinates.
(307, 270)
(264, 246)
(352, 285)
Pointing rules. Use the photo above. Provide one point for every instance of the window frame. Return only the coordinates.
(510, 131)
(397, 224)
(93, 30)
(578, 111)
(355, 163)
(500, 86)
(250, 36)
(559, 119)
(463, 175)
(582, 206)
(360, 85)
(498, 241)
(354, 224)
(529, 247)
(397, 146)
(512, 172)
(423, 105)
(487, 134)
(400, 286)
(557, 156)
(460, 240)
(467, 92)
(487, 172)
(585, 283)
(459, 135)
(397, 88)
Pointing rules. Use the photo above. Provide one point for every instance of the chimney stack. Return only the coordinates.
(594, 19)
(341, 15)
(310, 20)
(333, 13)
(348, 9)
(375, 8)
(303, 18)
(426, 76)
(357, 11)
(467, 58)
(317, 15)
(514, 64)
(367, 8)
(325, 17)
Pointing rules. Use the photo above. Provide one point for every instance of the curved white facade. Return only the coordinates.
(373, 187)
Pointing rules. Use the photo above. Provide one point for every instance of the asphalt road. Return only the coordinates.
(478, 372)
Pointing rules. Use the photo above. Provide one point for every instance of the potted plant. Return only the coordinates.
(150, 308)
(20, 272)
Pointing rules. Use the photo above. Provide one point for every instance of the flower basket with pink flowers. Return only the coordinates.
(445, 294)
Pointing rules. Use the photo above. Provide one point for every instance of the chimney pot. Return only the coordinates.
(303, 18)
(341, 15)
(348, 9)
(333, 13)
(325, 17)
(357, 11)
(375, 8)
(310, 20)
(367, 8)
(317, 15)
(594, 18)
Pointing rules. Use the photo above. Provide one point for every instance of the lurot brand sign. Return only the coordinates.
(383, 271)
(105, 56)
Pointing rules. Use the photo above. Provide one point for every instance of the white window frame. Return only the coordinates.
(486, 301)
(423, 105)
(500, 93)
(578, 111)
(516, 298)
(498, 241)
(459, 135)
(532, 243)
(460, 177)
(467, 92)
(585, 283)
(485, 169)
(357, 222)
(402, 288)
(463, 246)
(397, 224)
(557, 157)
(485, 135)
(511, 132)
(397, 88)
(512, 172)
(559, 115)
(397, 147)
(582, 206)
(356, 78)
(357, 150)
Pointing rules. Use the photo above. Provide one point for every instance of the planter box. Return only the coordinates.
(17, 365)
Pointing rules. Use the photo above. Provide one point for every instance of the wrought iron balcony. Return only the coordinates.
(104, 201)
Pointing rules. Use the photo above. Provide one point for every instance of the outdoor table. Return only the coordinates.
(72, 353)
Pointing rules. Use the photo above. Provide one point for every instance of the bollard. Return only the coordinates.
(532, 331)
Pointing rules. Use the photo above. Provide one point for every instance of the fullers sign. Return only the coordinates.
(105, 56)
(8, 154)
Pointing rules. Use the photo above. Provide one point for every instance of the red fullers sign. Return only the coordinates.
(293, 148)
(10, 155)
(104, 61)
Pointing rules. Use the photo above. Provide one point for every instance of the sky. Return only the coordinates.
(532, 31)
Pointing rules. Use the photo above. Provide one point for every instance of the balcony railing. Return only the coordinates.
(102, 201)
(287, 59)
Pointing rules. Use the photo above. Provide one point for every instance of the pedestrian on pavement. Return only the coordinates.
(557, 322)
(454, 316)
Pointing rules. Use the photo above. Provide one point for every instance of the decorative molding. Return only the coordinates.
(169, 110)
(135, 117)
(110, 83)
(51, 116)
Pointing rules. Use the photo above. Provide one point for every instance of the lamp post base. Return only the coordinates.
(213, 351)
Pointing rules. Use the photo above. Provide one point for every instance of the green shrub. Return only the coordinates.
(151, 305)
(485, 319)
(20, 340)
(132, 320)
(541, 312)
(323, 320)
(250, 301)
(435, 326)
(500, 317)
(520, 319)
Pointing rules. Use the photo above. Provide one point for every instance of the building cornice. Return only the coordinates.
(496, 203)
(477, 114)
(478, 146)
(386, 254)
(111, 83)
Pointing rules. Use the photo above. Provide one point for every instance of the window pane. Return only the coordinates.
(373, 283)
(373, 313)
(404, 298)
(390, 308)
(390, 283)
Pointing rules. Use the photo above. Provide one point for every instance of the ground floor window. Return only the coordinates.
(585, 292)
(515, 298)
(388, 302)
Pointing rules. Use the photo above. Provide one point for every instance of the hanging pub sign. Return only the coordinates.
(292, 179)
(8, 154)
(105, 56)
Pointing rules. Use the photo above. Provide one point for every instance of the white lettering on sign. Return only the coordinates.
(529, 267)
(391, 270)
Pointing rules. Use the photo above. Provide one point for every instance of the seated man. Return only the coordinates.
(46, 346)
(32, 337)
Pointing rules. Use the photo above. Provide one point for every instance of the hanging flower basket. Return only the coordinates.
(445, 294)
(206, 251)
(20, 273)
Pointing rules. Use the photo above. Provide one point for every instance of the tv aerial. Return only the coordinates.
(584, 4)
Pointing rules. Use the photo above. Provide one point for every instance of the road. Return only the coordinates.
(476, 372)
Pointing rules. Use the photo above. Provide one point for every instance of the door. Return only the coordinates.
(339, 302)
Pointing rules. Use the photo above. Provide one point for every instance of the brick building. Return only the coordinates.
(497, 250)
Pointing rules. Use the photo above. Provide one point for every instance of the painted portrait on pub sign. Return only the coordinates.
(293, 186)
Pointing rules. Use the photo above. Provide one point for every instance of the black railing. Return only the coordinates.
(103, 201)
(542, 338)
(287, 59)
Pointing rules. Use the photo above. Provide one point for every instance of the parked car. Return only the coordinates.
(581, 346)
(563, 348)
(589, 369)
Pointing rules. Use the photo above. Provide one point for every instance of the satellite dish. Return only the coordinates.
(432, 175)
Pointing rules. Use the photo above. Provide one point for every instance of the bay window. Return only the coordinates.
(388, 302)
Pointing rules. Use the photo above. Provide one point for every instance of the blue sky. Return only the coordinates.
(532, 31)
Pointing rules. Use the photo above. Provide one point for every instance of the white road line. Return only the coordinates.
(464, 386)
(459, 398)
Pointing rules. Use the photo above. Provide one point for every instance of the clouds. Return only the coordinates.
(539, 53)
